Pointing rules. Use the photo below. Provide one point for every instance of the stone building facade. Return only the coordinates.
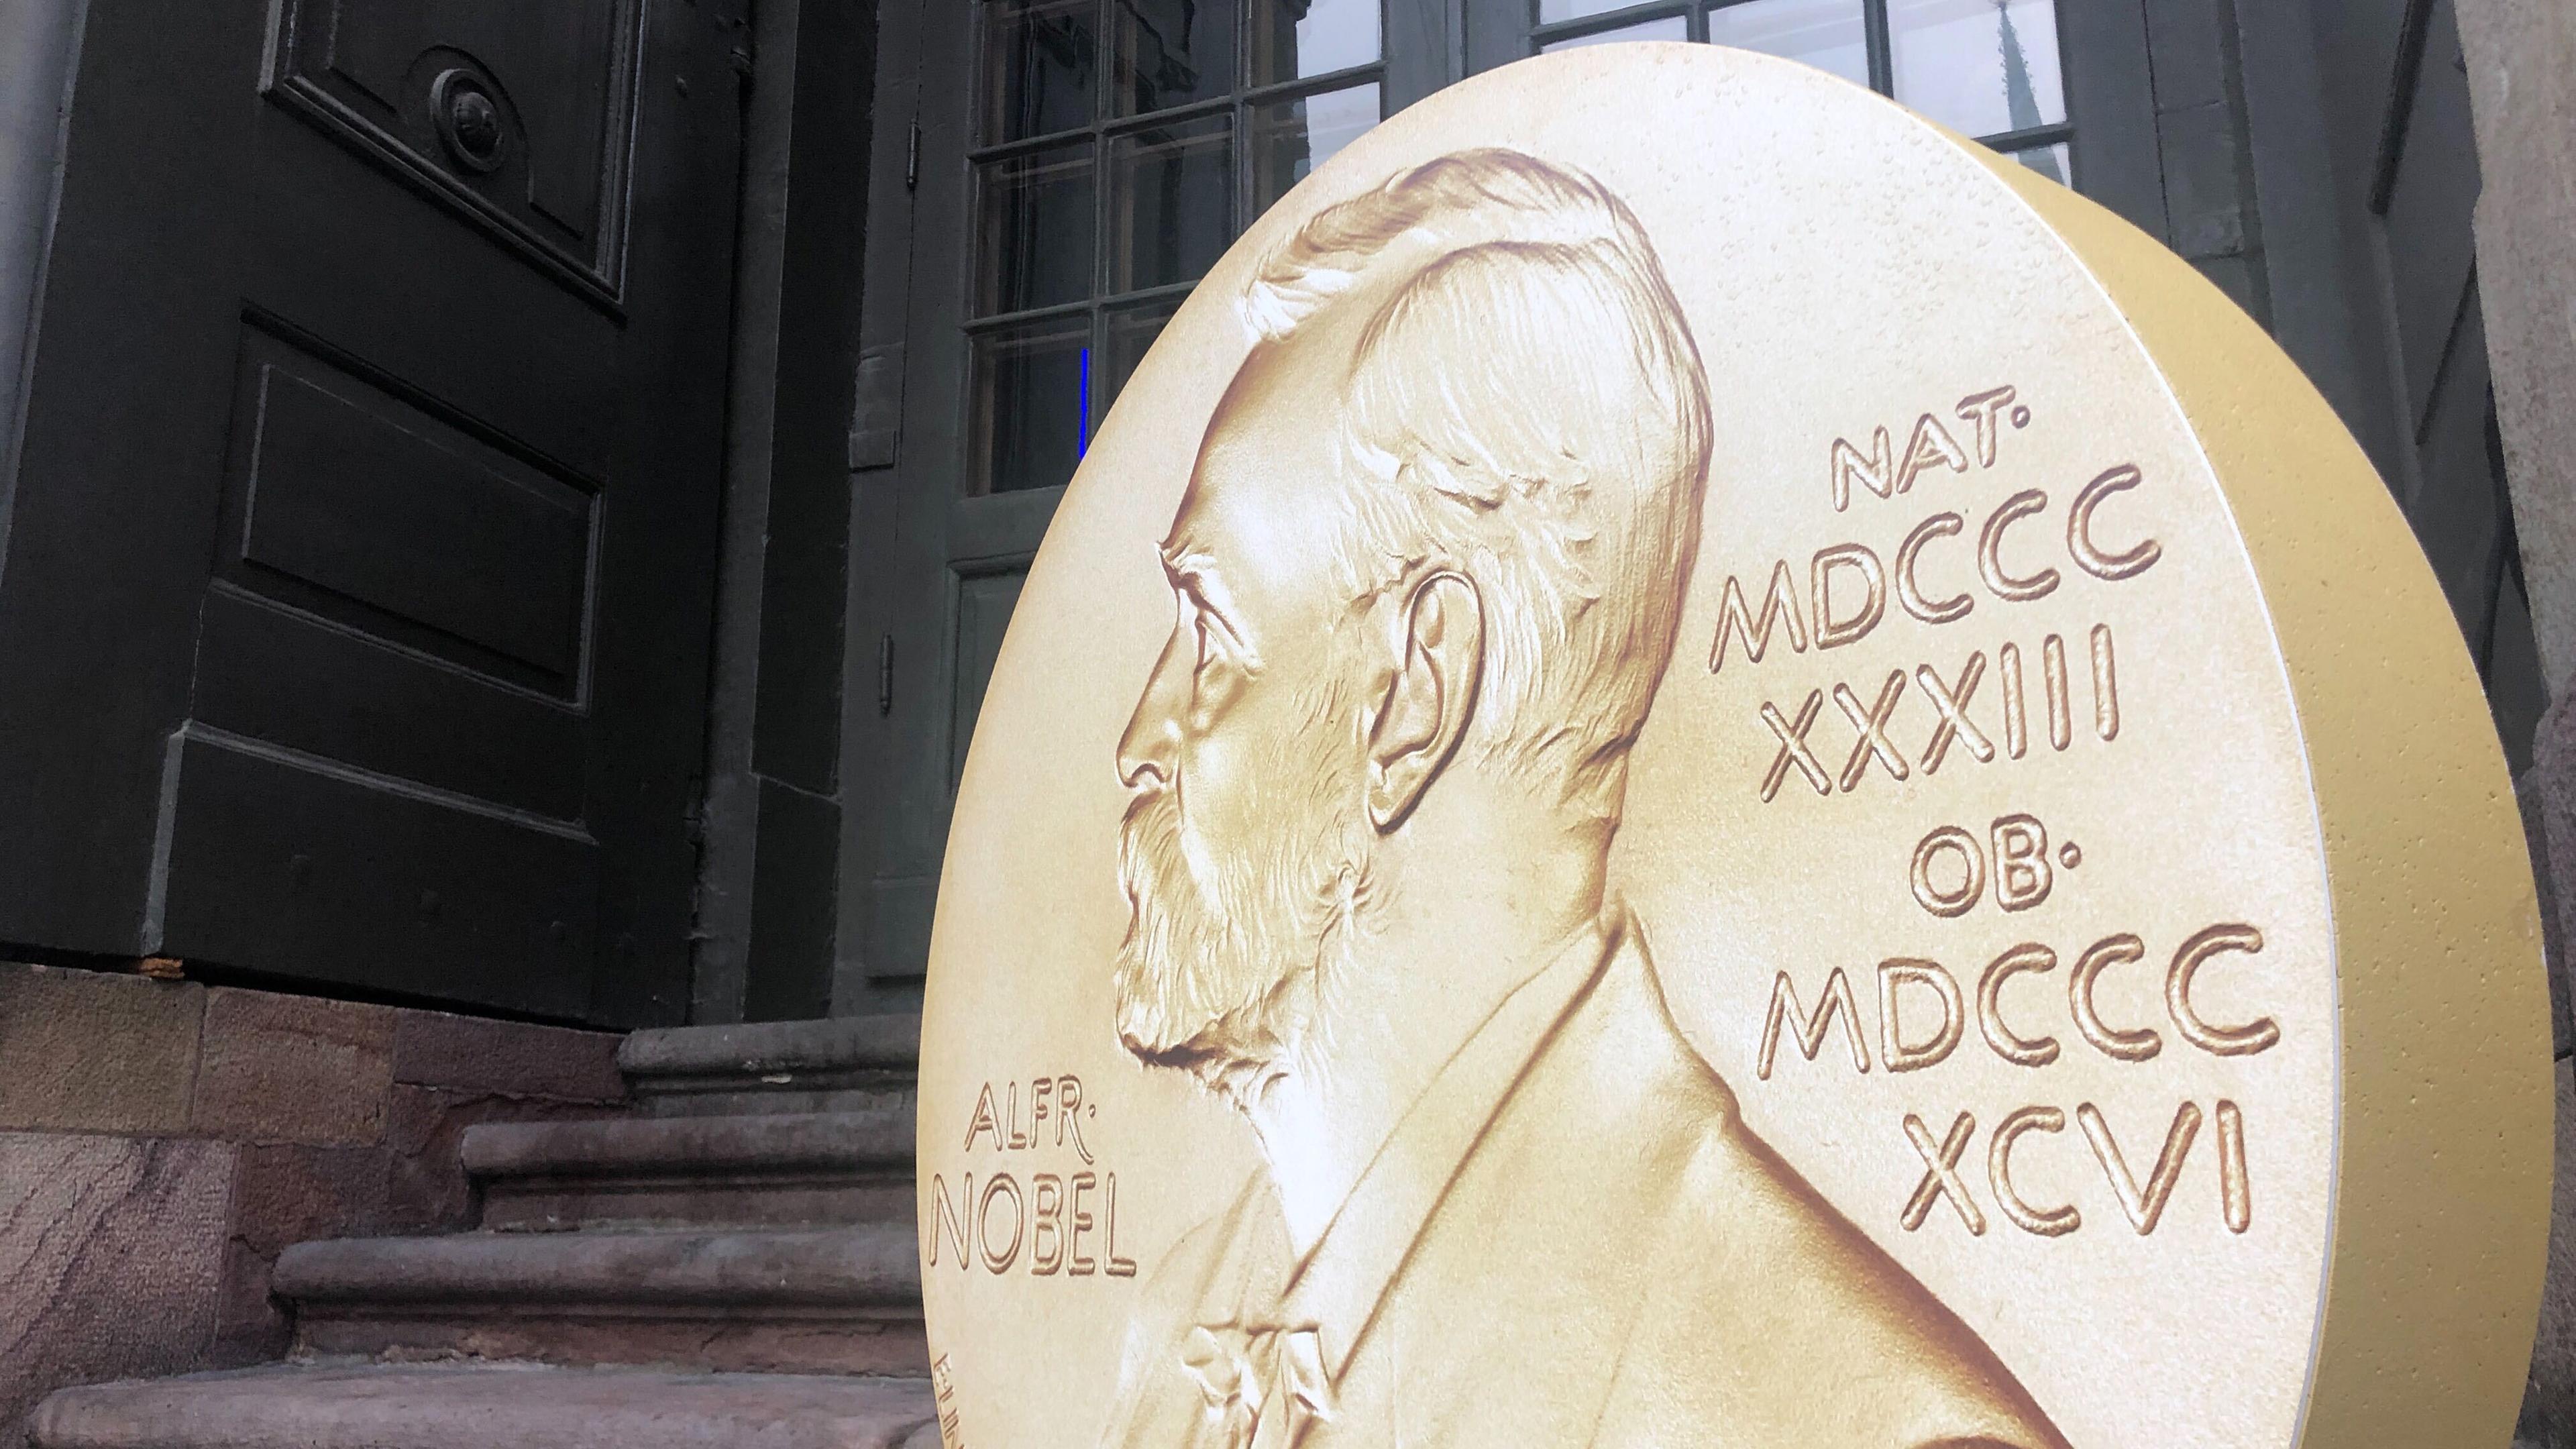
(161, 1142)
(2518, 56)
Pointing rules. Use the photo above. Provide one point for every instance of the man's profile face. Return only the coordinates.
(1246, 839)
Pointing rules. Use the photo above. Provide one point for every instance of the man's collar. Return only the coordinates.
(1341, 1282)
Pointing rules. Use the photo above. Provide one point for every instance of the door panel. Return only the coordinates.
(984, 604)
(348, 499)
(341, 250)
(559, 88)
(275, 673)
(355, 617)
(286, 859)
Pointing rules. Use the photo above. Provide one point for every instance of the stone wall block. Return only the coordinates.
(93, 1052)
(2553, 931)
(2547, 793)
(435, 1049)
(2522, 87)
(286, 1194)
(426, 1188)
(2549, 1395)
(111, 1257)
(293, 1069)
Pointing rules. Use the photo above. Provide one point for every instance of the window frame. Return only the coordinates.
(1408, 54)
(920, 542)
(1513, 29)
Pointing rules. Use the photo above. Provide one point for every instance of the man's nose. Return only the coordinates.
(1147, 750)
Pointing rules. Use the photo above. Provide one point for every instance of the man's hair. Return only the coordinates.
(1524, 405)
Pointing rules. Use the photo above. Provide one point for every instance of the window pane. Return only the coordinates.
(1292, 138)
(2048, 161)
(1033, 233)
(1670, 28)
(1170, 202)
(1979, 66)
(1827, 34)
(1040, 57)
(1293, 38)
(1030, 404)
(1552, 11)
(1132, 329)
(1171, 52)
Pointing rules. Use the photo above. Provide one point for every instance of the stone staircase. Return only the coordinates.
(731, 1264)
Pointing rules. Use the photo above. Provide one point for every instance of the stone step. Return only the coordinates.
(838, 1300)
(498, 1407)
(836, 1064)
(778, 1169)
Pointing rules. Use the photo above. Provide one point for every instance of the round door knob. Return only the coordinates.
(469, 121)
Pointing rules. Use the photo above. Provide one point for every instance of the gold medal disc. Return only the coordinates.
(1694, 764)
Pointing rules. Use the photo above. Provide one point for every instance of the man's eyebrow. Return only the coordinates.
(1195, 574)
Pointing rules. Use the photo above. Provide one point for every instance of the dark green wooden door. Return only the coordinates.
(354, 611)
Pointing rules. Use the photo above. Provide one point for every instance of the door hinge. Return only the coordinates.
(912, 158)
(885, 674)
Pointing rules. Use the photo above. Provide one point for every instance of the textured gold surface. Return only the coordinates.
(2442, 1185)
(2076, 981)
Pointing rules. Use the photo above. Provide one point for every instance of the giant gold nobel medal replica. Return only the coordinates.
(1696, 765)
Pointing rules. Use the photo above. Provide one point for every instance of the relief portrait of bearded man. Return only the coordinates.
(1428, 572)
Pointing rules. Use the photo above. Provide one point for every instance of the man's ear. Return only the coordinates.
(1430, 697)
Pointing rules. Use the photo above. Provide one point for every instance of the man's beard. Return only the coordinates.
(1229, 952)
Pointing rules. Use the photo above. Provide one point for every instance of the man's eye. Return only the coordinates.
(1207, 643)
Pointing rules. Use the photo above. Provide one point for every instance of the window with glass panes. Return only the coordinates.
(1989, 68)
(1119, 146)
(1070, 166)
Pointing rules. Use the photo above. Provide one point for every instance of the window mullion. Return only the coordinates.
(1882, 51)
(1244, 214)
(1105, 194)
(1243, 79)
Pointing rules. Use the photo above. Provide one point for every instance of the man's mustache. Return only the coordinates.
(1163, 993)
(1152, 819)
